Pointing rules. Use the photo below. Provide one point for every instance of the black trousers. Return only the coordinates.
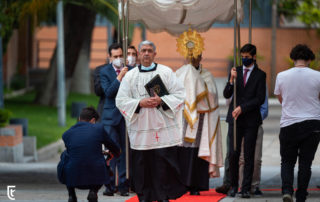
(249, 134)
(298, 140)
(94, 188)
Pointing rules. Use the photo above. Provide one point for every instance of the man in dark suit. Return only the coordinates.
(98, 89)
(250, 95)
(114, 123)
(85, 166)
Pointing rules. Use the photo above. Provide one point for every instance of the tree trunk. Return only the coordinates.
(78, 26)
(81, 80)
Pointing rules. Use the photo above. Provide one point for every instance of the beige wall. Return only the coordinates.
(218, 46)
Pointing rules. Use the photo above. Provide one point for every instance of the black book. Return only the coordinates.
(156, 85)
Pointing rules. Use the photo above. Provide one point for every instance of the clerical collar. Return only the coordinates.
(152, 67)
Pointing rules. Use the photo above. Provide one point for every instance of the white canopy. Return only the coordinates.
(175, 16)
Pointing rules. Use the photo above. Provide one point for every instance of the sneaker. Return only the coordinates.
(257, 192)
(287, 198)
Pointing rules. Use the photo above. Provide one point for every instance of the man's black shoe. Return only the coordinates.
(223, 189)
(108, 191)
(245, 194)
(194, 193)
(232, 192)
(124, 193)
(164, 200)
(257, 192)
(72, 199)
(92, 196)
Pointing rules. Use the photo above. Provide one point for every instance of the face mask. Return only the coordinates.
(131, 60)
(247, 61)
(118, 62)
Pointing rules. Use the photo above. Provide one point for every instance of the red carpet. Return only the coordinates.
(205, 196)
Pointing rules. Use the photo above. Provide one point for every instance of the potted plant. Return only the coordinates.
(4, 117)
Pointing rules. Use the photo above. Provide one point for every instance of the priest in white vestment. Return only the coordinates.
(201, 153)
(153, 129)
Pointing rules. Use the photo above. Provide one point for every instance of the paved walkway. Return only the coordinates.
(37, 182)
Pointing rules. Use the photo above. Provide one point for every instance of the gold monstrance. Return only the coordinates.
(190, 44)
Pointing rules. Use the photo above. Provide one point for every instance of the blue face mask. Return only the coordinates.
(247, 61)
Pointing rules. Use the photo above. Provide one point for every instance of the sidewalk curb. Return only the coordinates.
(50, 150)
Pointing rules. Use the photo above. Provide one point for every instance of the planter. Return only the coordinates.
(21, 121)
(11, 146)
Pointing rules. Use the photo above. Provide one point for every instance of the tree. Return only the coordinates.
(307, 11)
(79, 22)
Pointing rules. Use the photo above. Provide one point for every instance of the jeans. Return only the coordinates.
(299, 140)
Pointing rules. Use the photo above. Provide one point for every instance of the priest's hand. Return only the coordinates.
(150, 102)
(236, 112)
(156, 100)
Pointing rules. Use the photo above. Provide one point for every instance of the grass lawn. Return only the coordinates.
(43, 120)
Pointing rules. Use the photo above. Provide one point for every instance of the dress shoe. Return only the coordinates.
(245, 194)
(164, 200)
(233, 192)
(72, 199)
(287, 198)
(92, 196)
(194, 193)
(257, 192)
(108, 192)
(223, 189)
(124, 193)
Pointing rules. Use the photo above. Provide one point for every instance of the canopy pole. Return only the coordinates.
(273, 45)
(1, 74)
(61, 104)
(125, 49)
(119, 20)
(250, 21)
(235, 80)
(239, 62)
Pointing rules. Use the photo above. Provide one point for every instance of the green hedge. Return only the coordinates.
(43, 120)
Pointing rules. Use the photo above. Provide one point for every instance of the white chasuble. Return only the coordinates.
(151, 128)
(202, 98)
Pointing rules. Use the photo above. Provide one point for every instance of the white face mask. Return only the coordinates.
(118, 62)
(131, 60)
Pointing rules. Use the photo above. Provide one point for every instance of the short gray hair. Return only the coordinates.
(146, 42)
